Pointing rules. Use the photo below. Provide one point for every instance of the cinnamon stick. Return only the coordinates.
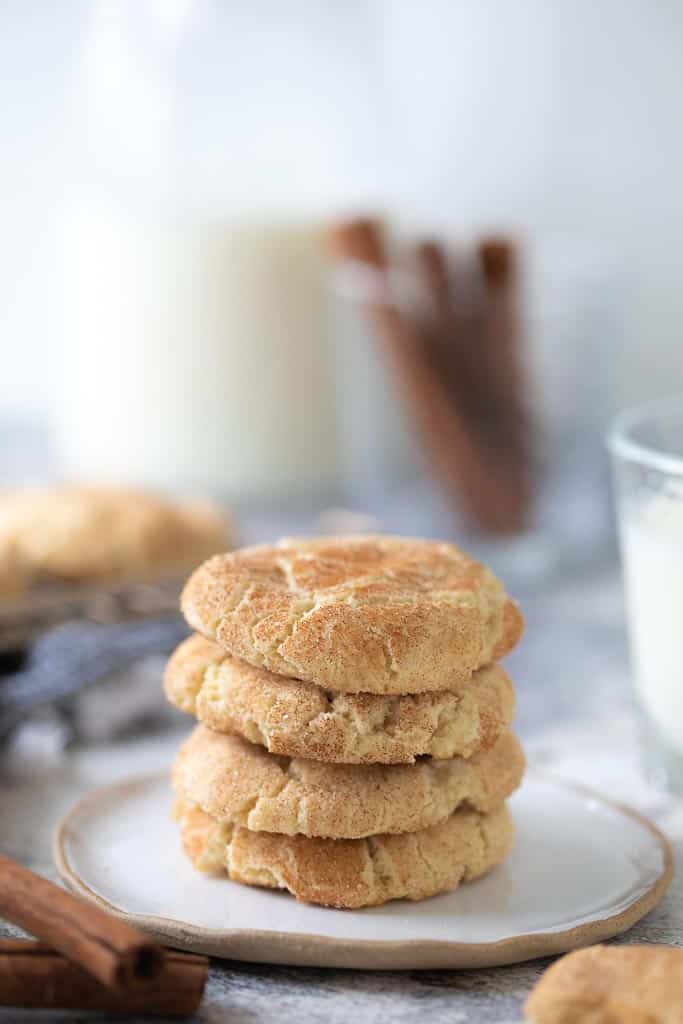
(33, 975)
(433, 272)
(433, 268)
(501, 339)
(502, 356)
(450, 333)
(449, 443)
(110, 950)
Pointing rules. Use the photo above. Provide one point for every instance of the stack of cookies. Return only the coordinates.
(354, 742)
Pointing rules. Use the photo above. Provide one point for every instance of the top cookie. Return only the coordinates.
(83, 534)
(356, 614)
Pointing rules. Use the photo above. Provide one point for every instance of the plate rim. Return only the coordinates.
(304, 949)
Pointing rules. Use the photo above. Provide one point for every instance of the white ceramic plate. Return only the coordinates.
(582, 869)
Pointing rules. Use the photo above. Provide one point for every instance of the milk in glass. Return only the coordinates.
(196, 354)
(652, 544)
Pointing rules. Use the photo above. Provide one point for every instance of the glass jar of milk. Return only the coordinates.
(195, 350)
(647, 450)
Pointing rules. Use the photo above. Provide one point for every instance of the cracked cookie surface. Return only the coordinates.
(356, 614)
(238, 783)
(296, 718)
(351, 873)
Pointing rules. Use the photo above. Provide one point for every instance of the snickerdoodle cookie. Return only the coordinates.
(351, 873)
(299, 719)
(239, 783)
(610, 984)
(91, 534)
(356, 614)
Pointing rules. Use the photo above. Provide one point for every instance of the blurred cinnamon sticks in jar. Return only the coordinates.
(457, 360)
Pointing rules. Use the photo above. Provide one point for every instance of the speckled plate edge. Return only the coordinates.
(302, 950)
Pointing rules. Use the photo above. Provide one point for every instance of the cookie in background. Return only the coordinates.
(84, 534)
(604, 984)
(104, 554)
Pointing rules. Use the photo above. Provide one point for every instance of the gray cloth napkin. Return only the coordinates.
(67, 660)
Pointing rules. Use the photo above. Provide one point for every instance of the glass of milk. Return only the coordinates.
(647, 451)
(209, 144)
